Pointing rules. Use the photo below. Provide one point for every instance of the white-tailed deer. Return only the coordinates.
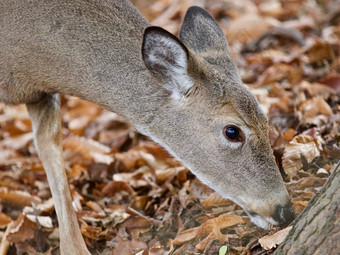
(184, 93)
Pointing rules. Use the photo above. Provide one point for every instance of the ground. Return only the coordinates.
(131, 196)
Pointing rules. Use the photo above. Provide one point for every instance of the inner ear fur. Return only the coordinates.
(163, 53)
(168, 60)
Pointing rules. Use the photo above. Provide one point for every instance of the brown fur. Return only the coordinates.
(93, 50)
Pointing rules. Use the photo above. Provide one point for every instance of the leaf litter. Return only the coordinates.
(132, 197)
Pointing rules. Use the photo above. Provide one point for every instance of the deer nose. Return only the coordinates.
(284, 214)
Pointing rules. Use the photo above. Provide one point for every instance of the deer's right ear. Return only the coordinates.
(167, 58)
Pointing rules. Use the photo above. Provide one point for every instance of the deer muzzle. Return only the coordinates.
(284, 214)
(281, 215)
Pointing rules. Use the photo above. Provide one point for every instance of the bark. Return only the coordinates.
(317, 229)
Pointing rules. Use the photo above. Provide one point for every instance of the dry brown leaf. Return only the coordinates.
(159, 186)
(136, 179)
(141, 203)
(88, 148)
(23, 229)
(136, 224)
(202, 245)
(322, 173)
(316, 111)
(289, 134)
(186, 236)
(129, 161)
(96, 207)
(18, 197)
(155, 250)
(152, 161)
(302, 145)
(44, 207)
(247, 28)
(4, 220)
(306, 183)
(215, 200)
(78, 172)
(269, 242)
(280, 71)
(6, 155)
(14, 112)
(78, 125)
(5, 244)
(44, 221)
(267, 57)
(223, 221)
(170, 173)
(18, 142)
(271, 8)
(317, 89)
(18, 127)
(115, 217)
(201, 232)
(298, 206)
(89, 231)
(114, 187)
(160, 153)
(126, 246)
(77, 201)
(318, 50)
(80, 114)
(200, 190)
(333, 81)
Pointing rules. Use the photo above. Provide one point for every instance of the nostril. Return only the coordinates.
(284, 215)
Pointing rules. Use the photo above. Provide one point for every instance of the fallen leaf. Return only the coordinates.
(89, 231)
(215, 200)
(22, 230)
(289, 134)
(44, 221)
(318, 50)
(247, 27)
(5, 244)
(4, 220)
(322, 173)
(88, 148)
(222, 222)
(269, 242)
(316, 111)
(18, 142)
(333, 81)
(280, 71)
(44, 207)
(123, 246)
(18, 197)
(301, 145)
(186, 236)
(96, 207)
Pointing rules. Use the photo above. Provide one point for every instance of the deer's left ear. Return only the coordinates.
(167, 58)
(200, 31)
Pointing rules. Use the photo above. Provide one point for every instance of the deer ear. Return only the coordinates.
(167, 58)
(200, 31)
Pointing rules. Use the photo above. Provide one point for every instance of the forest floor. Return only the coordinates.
(131, 196)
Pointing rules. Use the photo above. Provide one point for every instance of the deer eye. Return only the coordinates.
(233, 133)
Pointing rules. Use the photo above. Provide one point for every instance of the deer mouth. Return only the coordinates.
(262, 222)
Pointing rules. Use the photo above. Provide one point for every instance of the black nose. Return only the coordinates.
(284, 215)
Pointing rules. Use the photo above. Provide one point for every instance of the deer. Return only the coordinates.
(184, 93)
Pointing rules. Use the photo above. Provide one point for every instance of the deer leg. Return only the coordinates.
(46, 120)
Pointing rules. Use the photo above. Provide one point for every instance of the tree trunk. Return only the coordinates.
(317, 229)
